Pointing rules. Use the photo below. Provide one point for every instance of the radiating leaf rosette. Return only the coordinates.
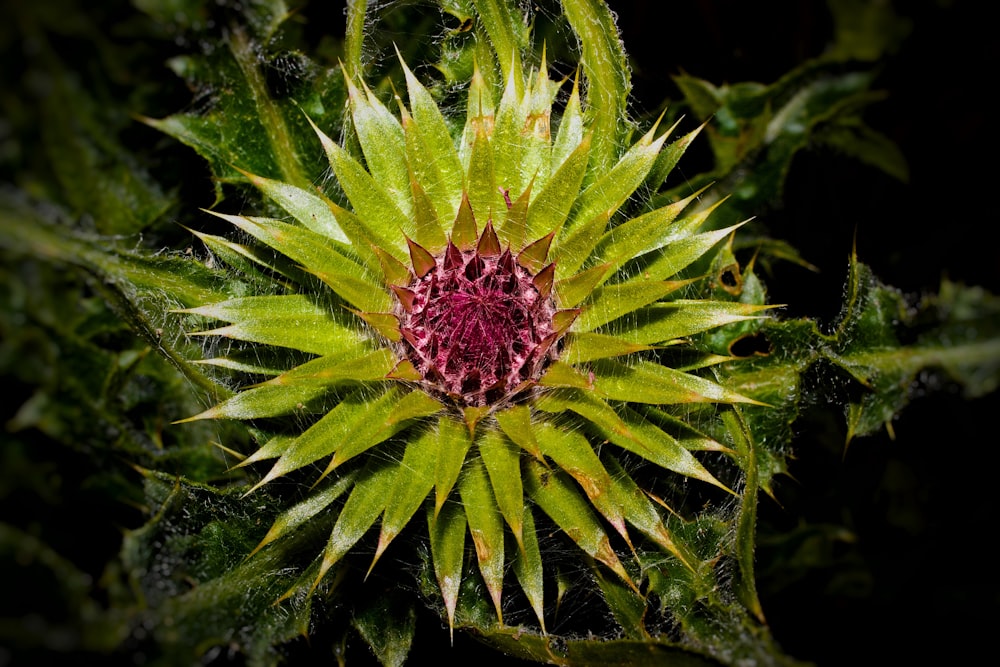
(481, 328)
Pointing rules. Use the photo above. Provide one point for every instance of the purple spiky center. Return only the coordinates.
(477, 325)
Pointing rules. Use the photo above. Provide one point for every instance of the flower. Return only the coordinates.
(484, 310)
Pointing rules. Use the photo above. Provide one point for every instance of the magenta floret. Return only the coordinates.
(476, 327)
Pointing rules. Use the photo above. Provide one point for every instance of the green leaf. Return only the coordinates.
(516, 424)
(431, 152)
(680, 254)
(573, 454)
(347, 278)
(485, 526)
(366, 502)
(630, 431)
(447, 534)
(613, 301)
(648, 382)
(388, 623)
(642, 234)
(485, 199)
(291, 390)
(614, 186)
(454, 445)
(607, 71)
(560, 499)
(419, 462)
(311, 210)
(640, 511)
(549, 208)
(294, 321)
(381, 137)
(298, 514)
(375, 206)
(358, 422)
(583, 347)
(507, 33)
(663, 322)
(528, 568)
(503, 464)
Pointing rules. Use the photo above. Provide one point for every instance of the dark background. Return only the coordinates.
(914, 580)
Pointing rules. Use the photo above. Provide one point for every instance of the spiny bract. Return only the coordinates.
(502, 320)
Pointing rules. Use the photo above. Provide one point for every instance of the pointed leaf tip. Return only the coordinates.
(423, 261)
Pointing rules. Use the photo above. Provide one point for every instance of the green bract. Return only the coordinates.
(578, 445)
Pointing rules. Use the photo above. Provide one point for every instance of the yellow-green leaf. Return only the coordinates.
(485, 526)
(612, 301)
(294, 321)
(455, 444)
(558, 496)
(647, 382)
(363, 506)
(503, 463)
(447, 534)
(306, 207)
(412, 487)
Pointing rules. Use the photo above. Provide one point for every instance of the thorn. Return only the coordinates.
(463, 231)
(543, 281)
(423, 261)
(452, 257)
(406, 297)
(489, 244)
(534, 254)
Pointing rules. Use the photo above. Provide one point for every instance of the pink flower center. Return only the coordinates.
(476, 327)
